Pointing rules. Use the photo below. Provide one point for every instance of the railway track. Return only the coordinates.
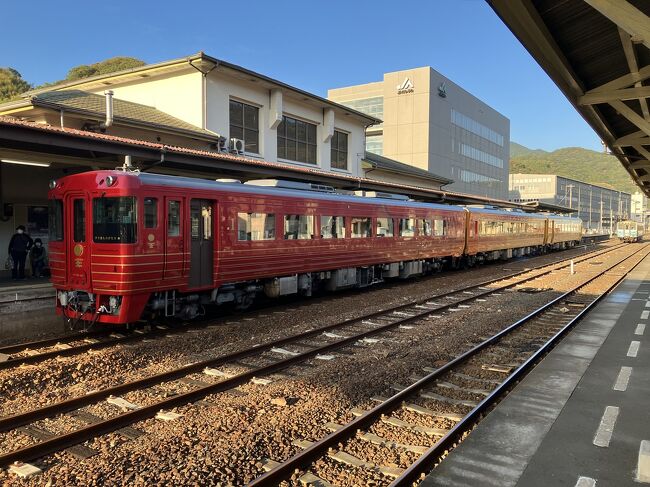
(448, 401)
(201, 376)
(39, 351)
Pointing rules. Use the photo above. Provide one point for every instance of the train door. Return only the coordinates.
(174, 262)
(202, 247)
(78, 252)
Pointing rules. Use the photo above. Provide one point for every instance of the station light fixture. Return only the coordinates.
(26, 163)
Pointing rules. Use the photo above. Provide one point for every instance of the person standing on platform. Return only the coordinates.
(37, 257)
(19, 245)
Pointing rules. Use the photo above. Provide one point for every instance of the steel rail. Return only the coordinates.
(436, 451)
(66, 352)
(21, 419)
(317, 449)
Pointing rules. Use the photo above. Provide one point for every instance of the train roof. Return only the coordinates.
(138, 179)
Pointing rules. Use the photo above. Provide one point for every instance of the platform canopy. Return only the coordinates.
(598, 54)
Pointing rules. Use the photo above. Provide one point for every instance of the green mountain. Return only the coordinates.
(572, 162)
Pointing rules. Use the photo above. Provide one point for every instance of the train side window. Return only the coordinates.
(174, 218)
(255, 226)
(439, 228)
(361, 227)
(425, 228)
(385, 227)
(150, 212)
(79, 223)
(407, 227)
(298, 227)
(332, 227)
(55, 217)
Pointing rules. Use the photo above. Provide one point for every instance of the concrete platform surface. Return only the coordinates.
(580, 417)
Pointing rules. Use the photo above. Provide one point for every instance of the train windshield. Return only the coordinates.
(114, 220)
(55, 217)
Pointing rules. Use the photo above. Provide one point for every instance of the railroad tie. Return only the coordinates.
(438, 397)
(434, 414)
(378, 440)
(127, 432)
(427, 430)
(454, 387)
(80, 452)
(347, 459)
(311, 480)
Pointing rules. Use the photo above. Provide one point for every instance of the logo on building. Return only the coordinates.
(442, 90)
(405, 86)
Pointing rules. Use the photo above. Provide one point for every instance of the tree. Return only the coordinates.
(103, 67)
(12, 84)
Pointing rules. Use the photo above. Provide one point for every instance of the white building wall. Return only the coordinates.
(221, 89)
(179, 95)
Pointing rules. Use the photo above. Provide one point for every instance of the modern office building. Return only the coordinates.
(640, 211)
(598, 207)
(433, 124)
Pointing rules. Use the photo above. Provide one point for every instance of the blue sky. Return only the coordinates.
(313, 45)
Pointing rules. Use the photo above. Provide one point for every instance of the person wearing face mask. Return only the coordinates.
(19, 246)
(37, 257)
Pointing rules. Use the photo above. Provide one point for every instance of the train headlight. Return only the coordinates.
(110, 180)
(52, 183)
(114, 303)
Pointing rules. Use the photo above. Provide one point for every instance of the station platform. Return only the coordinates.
(581, 417)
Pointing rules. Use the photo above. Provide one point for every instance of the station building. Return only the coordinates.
(433, 124)
(203, 105)
(597, 206)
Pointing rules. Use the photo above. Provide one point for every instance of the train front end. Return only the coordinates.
(92, 232)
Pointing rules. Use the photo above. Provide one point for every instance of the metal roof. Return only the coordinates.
(45, 142)
(93, 105)
(391, 165)
(598, 54)
(197, 61)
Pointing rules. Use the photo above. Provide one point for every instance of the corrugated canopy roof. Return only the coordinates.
(387, 164)
(598, 53)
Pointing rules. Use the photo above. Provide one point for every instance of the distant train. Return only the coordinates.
(126, 246)
(629, 231)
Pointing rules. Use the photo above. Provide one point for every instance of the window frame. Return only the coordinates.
(248, 233)
(283, 133)
(243, 127)
(390, 226)
(335, 151)
(144, 212)
(369, 227)
(299, 221)
(340, 228)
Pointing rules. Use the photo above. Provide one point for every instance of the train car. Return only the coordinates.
(502, 234)
(629, 231)
(126, 246)
(563, 232)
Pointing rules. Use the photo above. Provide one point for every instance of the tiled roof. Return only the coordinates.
(387, 164)
(123, 111)
(248, 161)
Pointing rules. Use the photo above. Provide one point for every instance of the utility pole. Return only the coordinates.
(591, 189)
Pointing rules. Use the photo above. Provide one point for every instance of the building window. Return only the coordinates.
(244, 125)
(340, 150)
(370, 106)
(375, 144)
(297, 140)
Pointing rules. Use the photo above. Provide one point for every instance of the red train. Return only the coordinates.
(127, 246)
